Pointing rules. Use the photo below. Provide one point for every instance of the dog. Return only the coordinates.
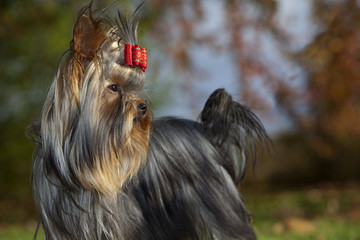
(105, 169)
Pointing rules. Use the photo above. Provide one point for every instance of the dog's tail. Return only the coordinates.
(235, 130)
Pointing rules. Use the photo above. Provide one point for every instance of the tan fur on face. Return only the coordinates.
(114, 168)
(115, 164)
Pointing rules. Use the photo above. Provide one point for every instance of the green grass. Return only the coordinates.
(18, 232)
(315, 213)
(321, 213)
(325, 229)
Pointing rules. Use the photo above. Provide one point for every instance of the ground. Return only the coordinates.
(319, 212)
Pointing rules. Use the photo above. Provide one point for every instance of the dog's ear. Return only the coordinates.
(88, 35)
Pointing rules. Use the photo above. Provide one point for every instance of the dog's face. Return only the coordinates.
(94, 118)
(121, 87)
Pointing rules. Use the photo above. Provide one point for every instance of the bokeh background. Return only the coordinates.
(295, 63)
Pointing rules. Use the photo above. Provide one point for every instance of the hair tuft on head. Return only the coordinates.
(127, 25)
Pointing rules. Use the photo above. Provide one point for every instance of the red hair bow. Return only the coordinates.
(135, 56)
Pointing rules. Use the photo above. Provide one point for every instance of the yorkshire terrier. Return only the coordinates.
(105, 169)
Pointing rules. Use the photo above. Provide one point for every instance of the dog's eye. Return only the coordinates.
(113, 88)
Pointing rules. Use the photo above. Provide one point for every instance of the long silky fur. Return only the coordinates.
(99, 174)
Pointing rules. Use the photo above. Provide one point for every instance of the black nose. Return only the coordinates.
(142, 107)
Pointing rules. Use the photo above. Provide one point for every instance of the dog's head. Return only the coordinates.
(95, 125)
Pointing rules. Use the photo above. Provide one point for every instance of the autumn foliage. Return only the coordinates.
(325, 112)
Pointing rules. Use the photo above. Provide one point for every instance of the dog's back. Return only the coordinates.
(188, 184)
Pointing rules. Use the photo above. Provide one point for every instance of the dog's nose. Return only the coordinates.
(142, 107)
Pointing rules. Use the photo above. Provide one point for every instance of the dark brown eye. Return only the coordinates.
(113, 88)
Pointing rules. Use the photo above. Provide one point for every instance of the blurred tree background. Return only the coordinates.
(314, 84)
(33, 35)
